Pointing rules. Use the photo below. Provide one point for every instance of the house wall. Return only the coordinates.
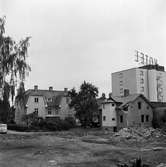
(123, 124)
(159, 117)
(108, 111)
(65, 110)
(134, 114)
(31, 105)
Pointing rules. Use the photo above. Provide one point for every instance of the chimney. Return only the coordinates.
(126, 92)
(66, 91)
(110, 95)
(50, 88)
(36, 87)
(103, 96)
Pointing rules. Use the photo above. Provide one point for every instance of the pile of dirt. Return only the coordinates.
(138, 133)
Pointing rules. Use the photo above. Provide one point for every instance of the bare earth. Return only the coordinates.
(76, 148)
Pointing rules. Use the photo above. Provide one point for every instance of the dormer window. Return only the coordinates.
(36, 99)
(49, 99)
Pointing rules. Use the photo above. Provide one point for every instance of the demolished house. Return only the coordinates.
(129, 111)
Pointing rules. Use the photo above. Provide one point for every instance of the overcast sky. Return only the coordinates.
(77, 40)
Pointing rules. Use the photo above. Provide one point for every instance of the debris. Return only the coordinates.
(138, 133)
(161, 165)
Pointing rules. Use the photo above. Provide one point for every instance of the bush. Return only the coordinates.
(16, 127)
(71, 121)
(41, 124)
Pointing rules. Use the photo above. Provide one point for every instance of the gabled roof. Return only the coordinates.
(100, 101)
(54, 94)
(130, 98)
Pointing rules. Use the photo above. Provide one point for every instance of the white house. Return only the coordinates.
(45, 103)
(109, 116)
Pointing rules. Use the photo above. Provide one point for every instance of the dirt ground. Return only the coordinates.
(76, 148)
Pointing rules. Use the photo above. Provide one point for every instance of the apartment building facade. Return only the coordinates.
(149, 80)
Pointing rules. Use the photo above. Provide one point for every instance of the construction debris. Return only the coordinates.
(161, 165)
(138, 133)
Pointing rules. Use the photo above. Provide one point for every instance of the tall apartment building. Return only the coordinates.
(149, 80)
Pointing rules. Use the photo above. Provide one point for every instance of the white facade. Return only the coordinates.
(36, 104)
(149, 82)
(109, 117)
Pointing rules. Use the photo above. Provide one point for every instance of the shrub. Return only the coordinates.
(41, 124)
(16, 127)
(71, 121)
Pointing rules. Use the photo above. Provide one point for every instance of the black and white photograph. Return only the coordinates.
(82, 83)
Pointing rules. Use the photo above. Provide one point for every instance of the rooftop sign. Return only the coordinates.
(145, 59)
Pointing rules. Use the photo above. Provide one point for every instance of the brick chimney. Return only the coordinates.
(36, 87)
(50, 88)
(126, 92)
(66, 91)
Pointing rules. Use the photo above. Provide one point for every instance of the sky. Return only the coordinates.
(77, 40)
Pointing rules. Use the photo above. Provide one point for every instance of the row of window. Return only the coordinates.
(36, 110)
(104, 118)
(139, 106)
(36, 99)
(112, 105)
(144, 118)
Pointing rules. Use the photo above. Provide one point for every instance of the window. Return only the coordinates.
(104, 118)
(142, 81)
(121, 83)
(36, 99)
(141, 73)
(125, 108)
(142, 118)
(103, 106)
(120, 75)
(139, 105)
(49, 99)
(147, 107)
(49, 111)
(113, 104)
(126, 92)
(147, 118)
(113, 119)
(36, 111)
(121, 90)
(121, 118)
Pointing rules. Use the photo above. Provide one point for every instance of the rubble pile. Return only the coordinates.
(138, 133)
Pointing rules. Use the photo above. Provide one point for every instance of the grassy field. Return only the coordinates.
(77, 147)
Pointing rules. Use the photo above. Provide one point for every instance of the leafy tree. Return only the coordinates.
(84, 102)
(13, 55)
(13, 66)
(20, 104)
(4, 104)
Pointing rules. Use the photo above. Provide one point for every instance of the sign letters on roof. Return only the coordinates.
(145, 59)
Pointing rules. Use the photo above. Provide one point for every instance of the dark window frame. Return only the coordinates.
(139, 105)
(147, 118)
(36, 99)
(142, 118)
(121, 118)
(36, 110)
